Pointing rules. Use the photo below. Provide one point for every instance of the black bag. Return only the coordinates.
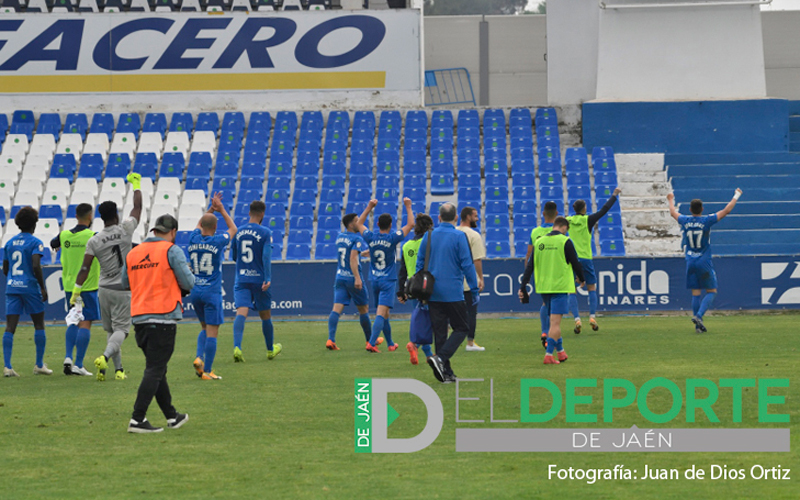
(420, 286)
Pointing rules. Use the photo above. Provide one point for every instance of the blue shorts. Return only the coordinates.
(343, 291)
(29, 303)
(588, 271)
(91, 305)
(250, 295)
(384, 293)
(556, 303)
(700, 274)
(207, 305)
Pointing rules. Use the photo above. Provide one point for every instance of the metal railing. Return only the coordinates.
(448, 86)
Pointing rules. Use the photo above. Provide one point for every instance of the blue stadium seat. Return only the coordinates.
(300, 224)
(252, 185)
(276, 224)
(526, 221)
(604, 164)
(386, 194)
(388, 168)
(415, 181)
(468, 117)
(494, 207)
(64, 166)
(612, 248)
(288, 118)
(94, 160)
(442, 184)
(260, 155)
(577, 179)
(307, 168)
(226, 184)
(610, 232)
(302, 209)
(527, 179)
(198, 183)
(442, 167)
(525, 193)
(276, 210)
(333, 182)
(331, 223)
(51, 212)
(387, 207)
(469, 154)
(497, 220)
(364, 118)
(469, 180)
(260, 120)
(442, 119)
(525, 207)
(90, 171)
(522, 166)
(415, 167)
(119, 165)
(233, 121)
(278, 196)
(417, 117)
(442, 154)
(339, 120)
(495, 180)
(549, 153)
(298, 252)
(465, 142)
(76, 123)
(549, 165)
(546, 116)
(103, 123)
(325, 251)
(494, 118)
(335, 168)
(23, 122)
(603, 193)
(575, 153)
(576, 165)
(547, 134)
(521, 152)
(470, 194)
(155, 122)
(306, 196)
(605, 177)
(182, 238)
(547, 193)
(497, 166)
(579, 192)
(547, 180)
(279, 168)
(181, 122)
(207, 121)
(520, 247)
(497, 234)
(416, 195)
(330, 208)
(250, 195)
(385, 182)
(498, 249)
(330, 195)
(602, 152)
(520, 116)
(305, 182)
(129, 122)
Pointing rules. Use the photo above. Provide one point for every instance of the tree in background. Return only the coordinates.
(473, 7)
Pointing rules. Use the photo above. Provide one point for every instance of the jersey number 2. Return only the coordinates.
(16, 257)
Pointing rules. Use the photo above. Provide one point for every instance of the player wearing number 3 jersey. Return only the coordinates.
(383, 254)
(252, 251)
(206, 249)
(700, 273)
(110, 247)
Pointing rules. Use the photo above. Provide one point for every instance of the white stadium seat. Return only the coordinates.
(194, 197)
(116, 184)
(12, 160)
(165, 197)
(70, 144)
(177, 142)
(40, 151)
(145, 198)
(187, 223)
(69, 223)
(44, 141)
(32, 186)
(171, 184)
(97, 140)
(9, 174)
(79, 197)
(57, 184)
(27, 199)
(48, 227)
(36, 172)
(83, 184)
(160, 209)
(16, 143)
(5, 200)
(8, 188)
(98, 224)
(110, 196)
(56, 197)
(190, 212)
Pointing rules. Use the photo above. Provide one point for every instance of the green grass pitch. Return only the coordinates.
(284, 428)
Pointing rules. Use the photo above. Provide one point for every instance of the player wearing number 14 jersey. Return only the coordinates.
(252, 251)
(110, 247)
(383, 255)
(700, 272)
(206, 249)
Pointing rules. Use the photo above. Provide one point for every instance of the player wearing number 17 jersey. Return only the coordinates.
(700, 272)
(252, 251)
(206, 249)
(383, 254)
(110, 247)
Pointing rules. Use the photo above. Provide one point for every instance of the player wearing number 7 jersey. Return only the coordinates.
(252, 251)
(206, 249)
(383, 255)
(110, 247)
(700, 273)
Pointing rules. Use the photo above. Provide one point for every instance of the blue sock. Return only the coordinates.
(82, 342)
(377, 327)
(560, 344)
(696, 300)
(592, 302)
(209, 353)
(544, 318)
(387, 331)
(8, 345)
(426, 348)
(333, 322)
(40, 339)
(551, 345)
(72, 337)
(706, 304)
(238, 330)
(573, 306)
(201, 344)
(268, 331)
(365, 325)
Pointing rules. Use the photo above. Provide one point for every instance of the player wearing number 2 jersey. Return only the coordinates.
(206, 249)
(252, 251)
(700, 273)
(348, 284)
(110, 247)
(383, 254)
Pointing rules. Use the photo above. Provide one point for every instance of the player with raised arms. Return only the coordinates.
(700, 274)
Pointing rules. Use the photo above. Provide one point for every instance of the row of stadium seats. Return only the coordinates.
(63, 166)
(112, 6)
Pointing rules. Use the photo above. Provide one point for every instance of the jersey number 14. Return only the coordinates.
(201, 265)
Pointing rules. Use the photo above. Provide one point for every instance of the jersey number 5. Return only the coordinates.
(246, 251)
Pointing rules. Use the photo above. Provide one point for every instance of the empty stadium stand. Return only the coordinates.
(113, 6)
(309, 168)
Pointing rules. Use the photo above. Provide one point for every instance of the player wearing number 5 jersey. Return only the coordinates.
(206, 249)
(110, 247)
(700, 273)
(348, 285)
(252, 251)
(383, 254)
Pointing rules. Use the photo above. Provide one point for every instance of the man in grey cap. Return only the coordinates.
(158, 275)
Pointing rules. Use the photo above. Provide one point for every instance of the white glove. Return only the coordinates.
(75, 315)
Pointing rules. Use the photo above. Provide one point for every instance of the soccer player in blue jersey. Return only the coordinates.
(25, 289)
(383, 255)
(700, 272)
(206, 249)
(349, 285)
(252, 251)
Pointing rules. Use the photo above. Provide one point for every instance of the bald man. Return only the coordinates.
(206, 249)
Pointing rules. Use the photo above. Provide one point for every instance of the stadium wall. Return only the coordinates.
(688, 127)
(624, 284)
(178, 61)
